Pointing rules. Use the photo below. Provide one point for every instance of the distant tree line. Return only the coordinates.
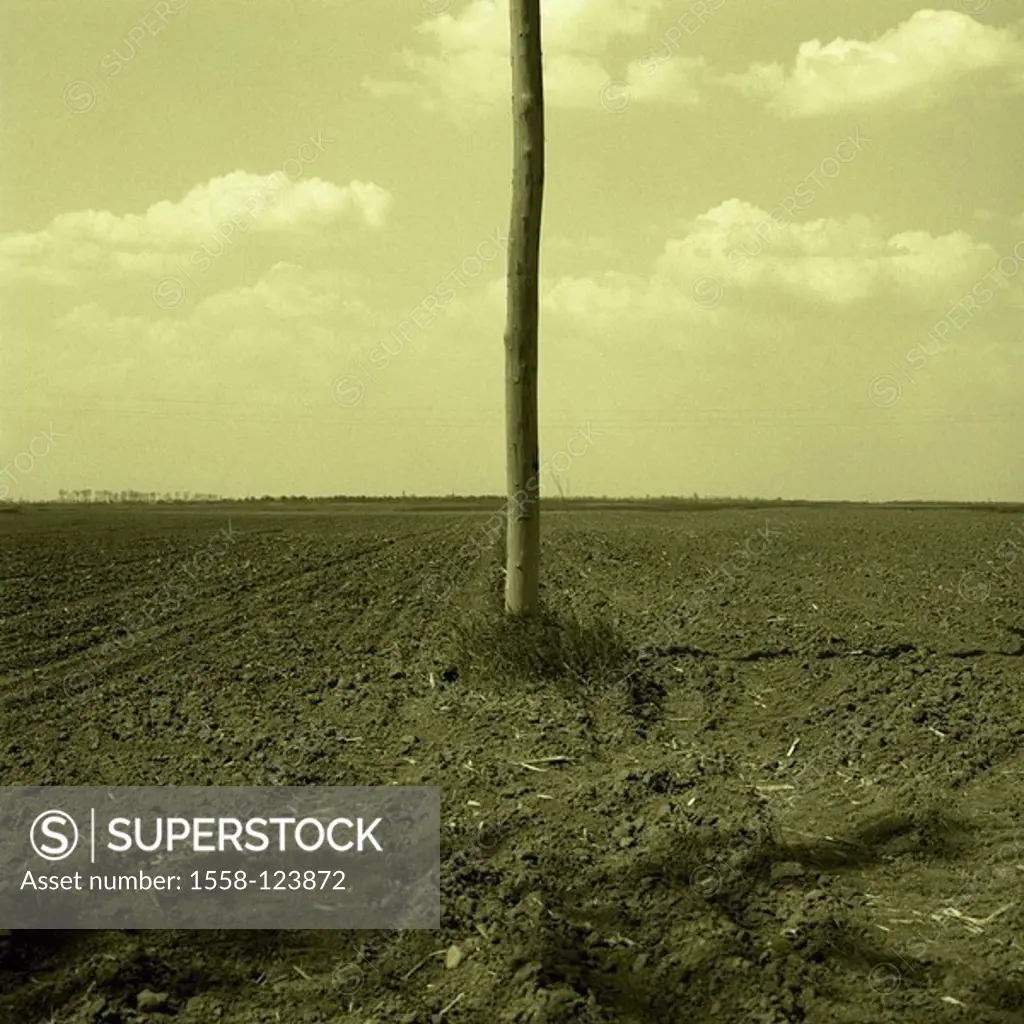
(664, 501)
(102, 496)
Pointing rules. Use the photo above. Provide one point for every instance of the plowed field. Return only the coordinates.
(763, 765)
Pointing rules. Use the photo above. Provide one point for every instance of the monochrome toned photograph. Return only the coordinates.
(511, 512)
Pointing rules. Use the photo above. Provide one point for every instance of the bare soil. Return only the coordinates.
(754, 765)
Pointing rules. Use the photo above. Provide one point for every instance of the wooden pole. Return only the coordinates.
(522, 564)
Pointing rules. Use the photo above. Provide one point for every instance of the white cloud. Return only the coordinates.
(289, 292)
(240, 202)
(598, 297)
(915, 64)
(919, 62)
(680, 81)
(569, 26)
(836, 261)
(465, 65)
(831, 262)
(289, 325)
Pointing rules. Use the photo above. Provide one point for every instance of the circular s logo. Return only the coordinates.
(616, 97)
(885, 391)
(79, 97)
(347, 391)
(706, 292)
(54, 835)
(168, 293)
(884, 978)
(972, 587)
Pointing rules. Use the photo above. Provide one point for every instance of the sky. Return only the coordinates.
(259, 248)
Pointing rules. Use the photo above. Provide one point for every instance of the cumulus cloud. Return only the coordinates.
(829, 262)
(287, 291)
(916, 64)
(290, 323)
(101, 241)
(464, 63)
(837, 261)
(680, 82)
(602, 296)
